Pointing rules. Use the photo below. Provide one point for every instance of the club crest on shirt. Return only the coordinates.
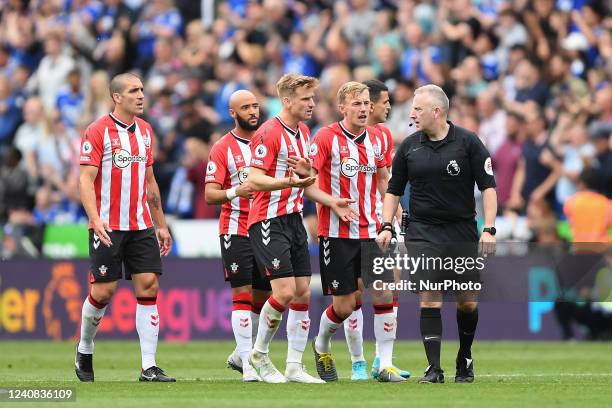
(453, 168)
(146, 139)
(261, 151)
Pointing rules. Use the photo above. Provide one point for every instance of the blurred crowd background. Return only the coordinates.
(531, 78)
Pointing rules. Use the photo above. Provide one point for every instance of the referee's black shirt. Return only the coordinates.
(442, 175)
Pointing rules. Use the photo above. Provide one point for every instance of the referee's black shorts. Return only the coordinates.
(447, 252)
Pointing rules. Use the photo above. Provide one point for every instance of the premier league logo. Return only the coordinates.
(261, 151)
(211, 168)
(453, 168)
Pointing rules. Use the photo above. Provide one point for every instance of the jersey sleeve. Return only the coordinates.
(92, 146)
(390, 152)
(480, 162)
(264, 149)
(320, 150)
(216, 169)
(399, 175)
(151, 138)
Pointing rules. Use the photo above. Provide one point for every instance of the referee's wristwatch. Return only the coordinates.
(490, 230)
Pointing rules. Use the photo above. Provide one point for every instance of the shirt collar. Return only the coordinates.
(240, 139)
(450, 136)
(356, 138)
(294, 133)
(129, 128)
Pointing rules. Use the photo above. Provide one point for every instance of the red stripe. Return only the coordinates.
(373, 191)
(331, 314)
(345, 182)
(134, 169)
(95, 303)
(277, 306)
(148, 301)
(395, 303)
(241, 306)
(115, 188)
(300, 307)
(383, 308)
(244, 296)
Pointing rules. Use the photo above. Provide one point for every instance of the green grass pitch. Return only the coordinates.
(508, 374)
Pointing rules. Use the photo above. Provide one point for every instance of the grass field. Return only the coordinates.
(508, 374)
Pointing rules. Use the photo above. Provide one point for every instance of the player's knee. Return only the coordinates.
(431, 305)
(302, 295)
(102, 293)
(149, 287)
(285, 295)
(467, 307)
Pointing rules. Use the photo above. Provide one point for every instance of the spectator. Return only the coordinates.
(538, 169)
(52, 71)
(10, 112)
(71, 100)
(507, 156)
(589, 213)
(492, 128)
(98, 101)
(31, 132)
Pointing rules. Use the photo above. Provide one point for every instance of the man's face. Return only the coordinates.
(356, 109)
(423, 114)
(380, 109)
(131, 98)
(302, 103)
(247, 114)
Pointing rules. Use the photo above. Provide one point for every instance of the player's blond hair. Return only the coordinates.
(350, 88)
(287, 85)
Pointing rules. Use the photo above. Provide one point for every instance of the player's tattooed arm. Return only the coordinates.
(154, 200)
(157, 213)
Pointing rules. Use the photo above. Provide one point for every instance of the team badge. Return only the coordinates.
(335, 284)
(103, 270)
(234, 267)
(452, 168)
(275, 263)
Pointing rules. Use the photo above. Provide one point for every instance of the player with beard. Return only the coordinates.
(227, 185)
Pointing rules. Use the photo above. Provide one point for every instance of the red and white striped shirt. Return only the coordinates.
(228, 165)
(347, 165)
(387, 146)
(122, 154)
(273, 143)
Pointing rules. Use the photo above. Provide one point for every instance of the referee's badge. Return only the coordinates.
(453, 168)
(488, 166)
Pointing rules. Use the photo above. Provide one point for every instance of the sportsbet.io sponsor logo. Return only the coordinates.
(122, 158)
(350, 167)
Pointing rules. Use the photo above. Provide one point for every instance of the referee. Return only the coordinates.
(442, 162)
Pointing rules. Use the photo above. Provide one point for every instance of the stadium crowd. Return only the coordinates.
(531, 78)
